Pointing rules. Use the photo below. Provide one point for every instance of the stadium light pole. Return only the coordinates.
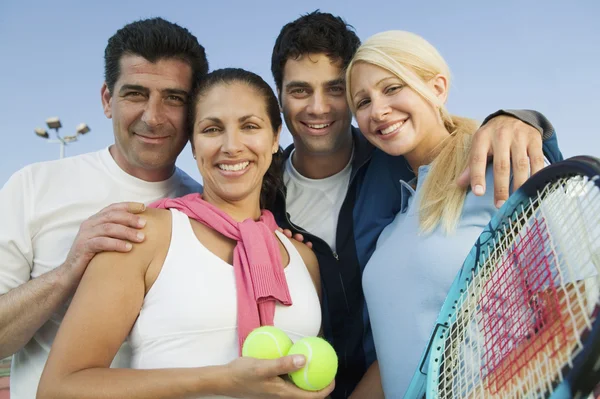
(54, 123)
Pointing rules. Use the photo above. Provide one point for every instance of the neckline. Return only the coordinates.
(133, 182)
(293, 172)
(287, 245)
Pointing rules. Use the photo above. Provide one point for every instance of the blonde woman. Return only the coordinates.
(397, 85)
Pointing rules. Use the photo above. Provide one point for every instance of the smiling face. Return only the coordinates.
(314, 104)
(233, 142)
(148, 109)
(391, 115)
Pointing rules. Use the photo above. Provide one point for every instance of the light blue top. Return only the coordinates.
(406, 280)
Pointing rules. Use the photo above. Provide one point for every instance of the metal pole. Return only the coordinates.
(62, 144)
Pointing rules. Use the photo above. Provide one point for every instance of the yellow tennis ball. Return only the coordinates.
(321, 363)
(266, 342)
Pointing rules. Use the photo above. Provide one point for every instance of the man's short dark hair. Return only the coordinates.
(154, 39)
(316, 33)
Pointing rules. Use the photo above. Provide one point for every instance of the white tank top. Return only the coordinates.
(189, 316)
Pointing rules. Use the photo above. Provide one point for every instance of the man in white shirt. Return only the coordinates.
(43, 249)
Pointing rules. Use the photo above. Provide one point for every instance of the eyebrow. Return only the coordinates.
(240, 119)
(246, 117)
(376, 84)
(180, 92)
(336, 82)
(296, 83)
(299, 83)
(129, 87)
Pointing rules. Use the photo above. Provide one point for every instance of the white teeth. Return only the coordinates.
(392, 128)
(319, 126)
(235, 167)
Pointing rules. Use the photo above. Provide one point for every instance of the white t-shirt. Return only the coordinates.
(314, 204)
(41, 209)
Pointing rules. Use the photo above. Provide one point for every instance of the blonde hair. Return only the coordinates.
(415, 61)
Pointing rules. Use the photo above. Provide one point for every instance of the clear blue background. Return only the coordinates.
(504, 54)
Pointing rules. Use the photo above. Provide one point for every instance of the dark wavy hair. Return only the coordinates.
(313, 33)
(273, 179)
(154, 39)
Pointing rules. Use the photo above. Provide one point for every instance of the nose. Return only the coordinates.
(318, 104)
(153, 113)
(232, 142)
(379, 109)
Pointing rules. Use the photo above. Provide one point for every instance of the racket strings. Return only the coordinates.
(511, 311)
(521, 316)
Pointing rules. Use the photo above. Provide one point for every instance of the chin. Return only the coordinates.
(235, 194)
(395, 150)
(399, 145)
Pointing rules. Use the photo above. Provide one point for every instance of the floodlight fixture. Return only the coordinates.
(41, 132)
(53, 123)
(82, 128)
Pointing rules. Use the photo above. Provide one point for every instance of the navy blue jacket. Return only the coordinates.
(371, 202)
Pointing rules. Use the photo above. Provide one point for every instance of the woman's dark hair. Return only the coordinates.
(273, 179)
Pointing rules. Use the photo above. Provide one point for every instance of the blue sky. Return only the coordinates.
(543, 55)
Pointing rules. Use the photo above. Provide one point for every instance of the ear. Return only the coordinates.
(106, 100)
(276, 141)
(439, 85)
(279, 100)
(191, 141)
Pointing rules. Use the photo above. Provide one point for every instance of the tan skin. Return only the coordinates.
(382, 100)
(148, 107)
(112, 290)
(317, 115)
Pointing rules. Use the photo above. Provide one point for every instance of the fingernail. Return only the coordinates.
(141, 222)
(500, 203)
(478, 189)
(299, 360)
(128, 246)
(140, 236)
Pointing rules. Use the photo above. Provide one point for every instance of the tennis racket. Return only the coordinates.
(521, 318)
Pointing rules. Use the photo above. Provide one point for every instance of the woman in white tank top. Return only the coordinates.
(178, 297)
